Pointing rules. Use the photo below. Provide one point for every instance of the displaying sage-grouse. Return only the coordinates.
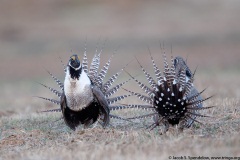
(172, 98)
(84, 98)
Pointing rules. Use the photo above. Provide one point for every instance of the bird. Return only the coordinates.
(171, 98)
(84, 98)
(180, 64)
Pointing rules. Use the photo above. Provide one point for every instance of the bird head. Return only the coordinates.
(75, 67)
(74, 62)
(180, 64)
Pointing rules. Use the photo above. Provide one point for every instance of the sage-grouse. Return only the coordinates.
(85, 98)
(171, 98)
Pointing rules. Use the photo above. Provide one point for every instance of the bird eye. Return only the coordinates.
(188, 73)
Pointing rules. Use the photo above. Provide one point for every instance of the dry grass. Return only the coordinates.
(37, 136)
(24, 134)
(33, 34)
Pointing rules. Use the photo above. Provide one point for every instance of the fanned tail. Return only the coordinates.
(59, 83)
(56, 92)
(50, 100)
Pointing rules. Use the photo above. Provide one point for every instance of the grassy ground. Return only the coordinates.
(38, 136)
(34, 33)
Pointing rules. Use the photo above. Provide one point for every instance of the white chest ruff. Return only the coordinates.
(78, 92)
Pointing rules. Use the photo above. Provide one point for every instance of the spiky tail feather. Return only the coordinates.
(172, 97)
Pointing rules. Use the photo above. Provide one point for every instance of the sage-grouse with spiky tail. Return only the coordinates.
(85, 98)
(172, 99)
(179, 65)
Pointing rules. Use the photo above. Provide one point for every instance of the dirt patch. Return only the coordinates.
(12, 141)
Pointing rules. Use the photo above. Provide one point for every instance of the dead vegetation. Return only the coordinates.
(25, 134)
(38, 136)
(33, 34)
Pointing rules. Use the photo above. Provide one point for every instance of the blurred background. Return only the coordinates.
(34, 34)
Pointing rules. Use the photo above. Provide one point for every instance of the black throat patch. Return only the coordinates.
(75, 74)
